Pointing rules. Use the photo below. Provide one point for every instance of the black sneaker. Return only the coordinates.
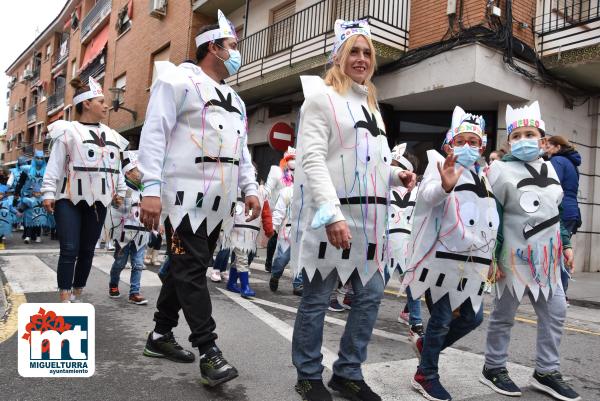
(355, 390)
(334, 306)
(113, 292)
(499, 381)
(298, 291)
(312, 390)
(416, 330)
(273, 284)
(553, 384)
(167, 347)
(214, 369)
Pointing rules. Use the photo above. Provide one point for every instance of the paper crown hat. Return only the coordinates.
(398, 155)
(346, 29)
(290, 153)
(463, 122)
(528, 116)
(225, 30)
(95, 91)
(129, 160)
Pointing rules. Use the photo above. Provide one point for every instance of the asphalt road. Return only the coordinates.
(255, 337)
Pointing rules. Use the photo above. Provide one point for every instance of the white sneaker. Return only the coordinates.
(27, 240)
(225, 275)
(98, 245)
(215, 276)
(110, 247)
(38, 240)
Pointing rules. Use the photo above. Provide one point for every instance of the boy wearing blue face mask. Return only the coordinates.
(453, 237)
(532, 249)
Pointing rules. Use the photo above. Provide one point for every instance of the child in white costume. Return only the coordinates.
(82, 178)
(341, 190)
(193, 156)
(127, 232)
(532, 248)
(279, 177)
(402, 206)
(453, 238)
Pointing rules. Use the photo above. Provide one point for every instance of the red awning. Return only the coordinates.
(95, 47)
(55, 117)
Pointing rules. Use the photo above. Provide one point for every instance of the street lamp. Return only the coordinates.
(117, 98)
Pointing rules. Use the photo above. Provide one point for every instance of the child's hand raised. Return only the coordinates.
(449, 173)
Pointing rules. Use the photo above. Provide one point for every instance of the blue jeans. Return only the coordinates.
(308, 329)
(443, 330)
(414, 308)
(281, 259)
(78, 228)
(137, 265)
(221, 259)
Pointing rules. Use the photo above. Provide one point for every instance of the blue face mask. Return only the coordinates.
(466, 155)
(525, 149)
(234, 62)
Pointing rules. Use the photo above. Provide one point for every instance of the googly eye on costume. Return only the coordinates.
(493, 221)
(530, 201)
(384, 150)
(469, 214)
(363, 147)
(92, 153)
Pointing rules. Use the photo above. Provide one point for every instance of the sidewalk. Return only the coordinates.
(584, 288)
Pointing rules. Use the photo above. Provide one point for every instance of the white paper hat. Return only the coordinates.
(225, 30)
(129, 160)
(528, 116)
(466, 122)
(346, 29)
(289, 153)
(398, 155)
(95, 91)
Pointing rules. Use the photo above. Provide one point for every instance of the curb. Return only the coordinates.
(585, 303)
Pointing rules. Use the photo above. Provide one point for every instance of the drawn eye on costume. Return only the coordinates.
(217, 121)
(363, 148)
(112, 155)
(530, 201)
(239, 209)
(493, 221)
(92, 153)
(384, 150)
(469, 214)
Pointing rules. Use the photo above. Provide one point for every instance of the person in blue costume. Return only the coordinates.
(34, 215)
(7, 213)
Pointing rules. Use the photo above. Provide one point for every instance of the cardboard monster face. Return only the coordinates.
(371, 143)
(472, 236)
(401, 213)
(98, 155)
(227, 121)
(5, 216)
(537, 198)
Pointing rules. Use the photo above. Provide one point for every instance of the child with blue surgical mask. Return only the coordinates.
(455, 222)
(532, 249)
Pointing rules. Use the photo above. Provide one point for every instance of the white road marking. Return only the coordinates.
(281, 327)
(27, 273)
(104, 263)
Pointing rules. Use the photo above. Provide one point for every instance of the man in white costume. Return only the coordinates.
(193, 156)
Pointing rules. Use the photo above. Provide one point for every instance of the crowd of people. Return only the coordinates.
(342, 209)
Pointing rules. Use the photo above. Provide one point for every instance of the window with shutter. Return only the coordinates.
(282, 28)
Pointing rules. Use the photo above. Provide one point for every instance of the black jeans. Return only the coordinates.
(33, 232)
(271, 246)
(78, 227)
(184, 285)
(155, 241)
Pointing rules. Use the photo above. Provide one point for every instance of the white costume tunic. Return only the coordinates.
(193, 149)
(125, 220)
(243, 234)
(343, 163)
(84, 163)
(282, 217)
(531, 255)
(402, 205)
(453, 236)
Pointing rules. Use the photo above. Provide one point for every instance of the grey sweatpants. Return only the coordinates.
(550, 321)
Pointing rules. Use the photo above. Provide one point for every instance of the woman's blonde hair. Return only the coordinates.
(337, 78)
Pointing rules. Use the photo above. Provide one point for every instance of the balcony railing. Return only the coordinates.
(56, 100)
(94, 69)
(32, 114)
(63, 52)
(36, 74)
(309, 33)
(100, 11)
(27, 150)
(567, 24)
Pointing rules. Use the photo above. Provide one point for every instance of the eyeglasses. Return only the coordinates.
(460, 142)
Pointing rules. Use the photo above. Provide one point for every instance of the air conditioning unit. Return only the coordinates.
(28, 74)
(158, 8)
(16, 108)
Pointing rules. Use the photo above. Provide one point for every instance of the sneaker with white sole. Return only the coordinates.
(215, 276)
(552, 383)
(498, 380)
